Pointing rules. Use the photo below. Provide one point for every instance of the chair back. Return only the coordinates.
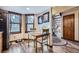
(45, 31)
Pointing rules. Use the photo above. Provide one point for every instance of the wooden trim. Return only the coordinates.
(29, 14)
(28, 23)
(10, 12)
(70, 40)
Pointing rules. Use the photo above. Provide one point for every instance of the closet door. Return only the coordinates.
(68, 27)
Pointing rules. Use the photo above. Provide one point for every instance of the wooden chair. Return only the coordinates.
(43, 40)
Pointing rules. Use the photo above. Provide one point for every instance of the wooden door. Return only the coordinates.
(68, 27)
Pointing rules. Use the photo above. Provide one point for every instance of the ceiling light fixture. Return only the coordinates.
(27, 8)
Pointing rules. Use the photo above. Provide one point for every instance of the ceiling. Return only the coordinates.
(26, 9)
(58, 9)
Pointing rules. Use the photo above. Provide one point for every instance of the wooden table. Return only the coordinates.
(41, 36)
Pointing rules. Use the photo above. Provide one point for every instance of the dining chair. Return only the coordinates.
(43, 41)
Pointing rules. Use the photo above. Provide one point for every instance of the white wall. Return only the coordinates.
(47, 24)
(57, 26)
(58, 9)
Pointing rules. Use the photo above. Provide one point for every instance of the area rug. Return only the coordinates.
(59, 42)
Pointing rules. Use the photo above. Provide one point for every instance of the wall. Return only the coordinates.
(58, 9)
(36, 23)
(47, 24)
(57, 26)
(75, 11)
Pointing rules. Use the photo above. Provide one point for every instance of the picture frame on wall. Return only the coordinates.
(40, 19)
(46, 17)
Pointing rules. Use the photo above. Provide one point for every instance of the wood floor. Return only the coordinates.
(70, 47)
(23, 47)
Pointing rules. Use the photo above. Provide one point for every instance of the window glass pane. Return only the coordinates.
(15, 18)
(29, 27)
(15, 28)
(30, 19)
(46, 17)
(40, 19)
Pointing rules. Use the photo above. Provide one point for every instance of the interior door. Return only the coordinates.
(68, 27)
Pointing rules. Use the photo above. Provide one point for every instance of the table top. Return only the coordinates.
(39, 35)
(35, 35)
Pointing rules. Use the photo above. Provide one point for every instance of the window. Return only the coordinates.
(15, 23)
(46, 17)
(40, 19)
(29, 23)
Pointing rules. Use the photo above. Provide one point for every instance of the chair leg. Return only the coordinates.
(42, 44)
(42, 48)
(36, 45)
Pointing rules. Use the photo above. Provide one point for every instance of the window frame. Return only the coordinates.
(14, 13)
(41, 19)
(28, 23)
(45, 21)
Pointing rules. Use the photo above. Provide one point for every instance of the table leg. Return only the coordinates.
(28, 40)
